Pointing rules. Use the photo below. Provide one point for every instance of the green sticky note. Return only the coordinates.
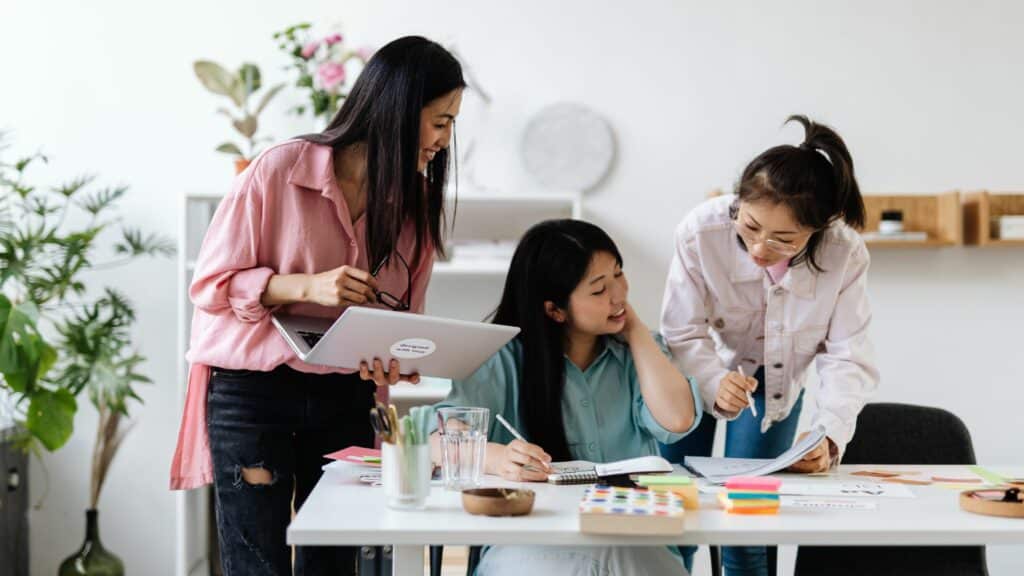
(989, 476)
(664, 480)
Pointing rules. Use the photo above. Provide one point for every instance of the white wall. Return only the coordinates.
(927, 95)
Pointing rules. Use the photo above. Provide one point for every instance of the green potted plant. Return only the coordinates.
(59, 338)
(238, 87)
(322, 68)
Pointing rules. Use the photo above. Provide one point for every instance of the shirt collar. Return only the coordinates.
(314, 169)
(612, 346)
(799, 279)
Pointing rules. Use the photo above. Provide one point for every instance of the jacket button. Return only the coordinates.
(777, 365)
(778, 291)
(719, 323)
(777, 395)
(585, 403)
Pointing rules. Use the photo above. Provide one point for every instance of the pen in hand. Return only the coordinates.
(520, 437)
(750, 399)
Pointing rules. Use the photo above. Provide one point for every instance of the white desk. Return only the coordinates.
(342, 511)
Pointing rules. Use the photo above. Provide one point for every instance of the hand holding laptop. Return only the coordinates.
(389, 378)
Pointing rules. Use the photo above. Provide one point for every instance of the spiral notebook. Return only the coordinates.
(583, 472)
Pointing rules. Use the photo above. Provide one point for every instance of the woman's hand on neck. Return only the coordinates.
(350, 175)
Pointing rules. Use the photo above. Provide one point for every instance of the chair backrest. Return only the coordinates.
(889, 433)
(900, 434)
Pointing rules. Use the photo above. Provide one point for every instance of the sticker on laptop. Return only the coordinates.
(413, 348)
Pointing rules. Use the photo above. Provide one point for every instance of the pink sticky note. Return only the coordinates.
(754, 483)
(356, 454)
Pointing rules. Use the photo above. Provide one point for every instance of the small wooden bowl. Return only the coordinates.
(498, 501)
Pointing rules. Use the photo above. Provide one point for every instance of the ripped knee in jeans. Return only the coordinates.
(255, 475)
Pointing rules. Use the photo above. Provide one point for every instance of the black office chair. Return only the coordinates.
(901, 434)
(437, 555)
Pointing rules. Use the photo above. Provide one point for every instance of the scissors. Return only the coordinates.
(381, 423)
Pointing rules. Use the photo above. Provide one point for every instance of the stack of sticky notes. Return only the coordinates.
(618, 510)
(758, 495)
(681, 486)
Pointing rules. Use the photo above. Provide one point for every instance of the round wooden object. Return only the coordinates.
(990, 503)
(498, 501)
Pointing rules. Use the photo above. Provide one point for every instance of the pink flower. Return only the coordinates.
(331, 75)
(309, 49)
(364, 52)
(333, 39)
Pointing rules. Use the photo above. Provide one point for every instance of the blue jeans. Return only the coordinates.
(743, 439)
(282, 421)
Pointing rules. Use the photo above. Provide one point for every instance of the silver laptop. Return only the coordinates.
(428, 345)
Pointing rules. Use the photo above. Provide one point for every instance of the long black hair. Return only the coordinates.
(815, 180)
(549, 262)
(383, 112)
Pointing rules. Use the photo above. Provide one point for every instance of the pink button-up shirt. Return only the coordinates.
(285, 215)
(722, 311)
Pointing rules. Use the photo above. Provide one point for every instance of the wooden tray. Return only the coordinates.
(991, 502)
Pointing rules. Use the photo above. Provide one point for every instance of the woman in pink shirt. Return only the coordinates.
(763, 283)
(351, 216)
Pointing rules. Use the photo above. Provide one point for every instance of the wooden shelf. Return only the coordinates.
(980, 208)
(929, 243)
(937, 214)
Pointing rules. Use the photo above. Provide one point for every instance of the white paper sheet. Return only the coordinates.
(718, 470)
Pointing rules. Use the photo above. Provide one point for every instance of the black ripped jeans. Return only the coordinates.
(282, 421)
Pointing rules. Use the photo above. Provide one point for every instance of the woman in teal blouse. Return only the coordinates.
(584, 380)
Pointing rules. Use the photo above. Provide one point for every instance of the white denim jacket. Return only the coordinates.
(721, 311)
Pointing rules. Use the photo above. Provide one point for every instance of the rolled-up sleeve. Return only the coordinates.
(847, 370)
(227, 276)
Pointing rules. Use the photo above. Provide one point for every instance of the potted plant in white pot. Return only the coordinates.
(59, 339)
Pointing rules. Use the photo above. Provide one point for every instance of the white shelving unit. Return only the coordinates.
(466, 288)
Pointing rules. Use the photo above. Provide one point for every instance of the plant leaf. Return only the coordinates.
(51, 417)
(214, 77)
(246, 126)
(135, 243)
(249, 75)
(266, 98)
(229, 148)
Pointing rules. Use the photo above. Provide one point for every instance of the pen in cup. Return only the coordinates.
(750, 399)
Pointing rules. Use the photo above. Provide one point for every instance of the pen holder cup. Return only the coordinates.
(405, 474)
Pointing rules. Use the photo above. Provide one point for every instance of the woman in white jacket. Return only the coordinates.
(763, 282)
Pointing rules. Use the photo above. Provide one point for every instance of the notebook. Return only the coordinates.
(583, 472)
(618, 510)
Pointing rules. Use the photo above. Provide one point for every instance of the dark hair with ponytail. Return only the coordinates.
(383, 112)
(549, 263)
(814, 180)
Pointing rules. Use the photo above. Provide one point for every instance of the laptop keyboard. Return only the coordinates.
(311, 338)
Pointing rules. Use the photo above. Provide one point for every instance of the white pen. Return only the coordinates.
(518, 436)
(510, 428)
(750, 399)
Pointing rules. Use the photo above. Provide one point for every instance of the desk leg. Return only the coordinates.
(407, 560)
